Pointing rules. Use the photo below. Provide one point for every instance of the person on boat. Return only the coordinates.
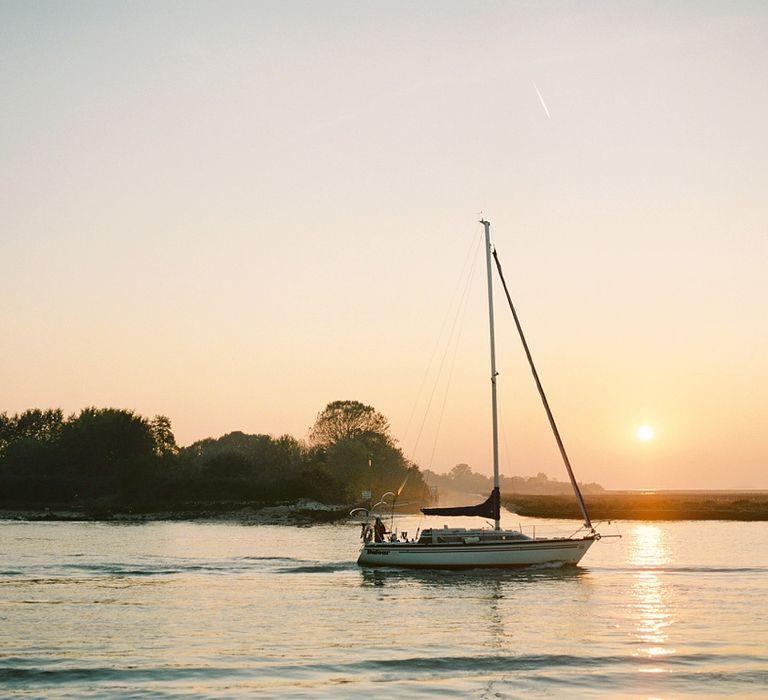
(379, 530)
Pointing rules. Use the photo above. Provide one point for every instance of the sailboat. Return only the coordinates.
(470, 548)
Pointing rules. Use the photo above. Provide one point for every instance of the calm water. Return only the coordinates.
(220, 610)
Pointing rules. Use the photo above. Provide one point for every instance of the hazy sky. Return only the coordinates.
(233, 213)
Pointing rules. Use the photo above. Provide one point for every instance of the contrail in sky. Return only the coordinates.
(541, 99)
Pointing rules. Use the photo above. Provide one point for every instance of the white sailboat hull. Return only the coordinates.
(495, 555)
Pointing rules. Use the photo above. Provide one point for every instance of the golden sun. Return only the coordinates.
(645, 433)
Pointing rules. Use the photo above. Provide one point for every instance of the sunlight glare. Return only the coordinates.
(645, 433)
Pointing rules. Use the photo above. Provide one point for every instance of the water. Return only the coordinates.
(161, 610)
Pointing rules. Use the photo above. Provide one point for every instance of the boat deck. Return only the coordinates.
(460, 535)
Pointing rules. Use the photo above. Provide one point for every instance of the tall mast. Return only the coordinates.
(494, 409)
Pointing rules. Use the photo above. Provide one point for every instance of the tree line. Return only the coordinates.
(462, 478)
(115, 459)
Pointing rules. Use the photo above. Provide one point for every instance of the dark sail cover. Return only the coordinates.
(491, 508)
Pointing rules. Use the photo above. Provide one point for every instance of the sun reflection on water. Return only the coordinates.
(650, 554)
(649, 546)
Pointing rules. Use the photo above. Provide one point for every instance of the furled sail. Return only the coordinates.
(490, 508)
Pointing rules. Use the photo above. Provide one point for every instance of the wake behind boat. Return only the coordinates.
(469, 548)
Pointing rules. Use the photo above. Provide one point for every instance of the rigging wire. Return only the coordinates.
(461, 314)
(468, 275)
(466, 265)
(507, 452)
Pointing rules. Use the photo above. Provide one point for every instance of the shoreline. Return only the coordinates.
(610, 505)
(300, 514)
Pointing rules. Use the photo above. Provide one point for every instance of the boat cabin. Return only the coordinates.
(460, 535)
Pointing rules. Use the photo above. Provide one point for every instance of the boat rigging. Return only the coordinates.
(461, 548)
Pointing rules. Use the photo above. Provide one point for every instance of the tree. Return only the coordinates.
(461, 471)
(29, 453)
(99, 439)
(353, 445)
(165, 442)
(6, 427)
(32, 425)
(239, 466)
(344, 420)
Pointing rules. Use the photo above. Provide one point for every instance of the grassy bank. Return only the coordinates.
(646, 505)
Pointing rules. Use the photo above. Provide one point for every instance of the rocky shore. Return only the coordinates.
(301, 513)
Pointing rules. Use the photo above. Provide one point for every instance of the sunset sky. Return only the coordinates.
(232, 213)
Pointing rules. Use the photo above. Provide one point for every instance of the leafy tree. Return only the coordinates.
(239, 466)
(30, 455)
(31, 425)
(227, 465)
(101, 452)
(100, 439)
(5, 432)
(349, 462)
(342, 420)
(162, 435)
(355, 447)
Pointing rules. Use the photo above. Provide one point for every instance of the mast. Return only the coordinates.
(494, 373)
